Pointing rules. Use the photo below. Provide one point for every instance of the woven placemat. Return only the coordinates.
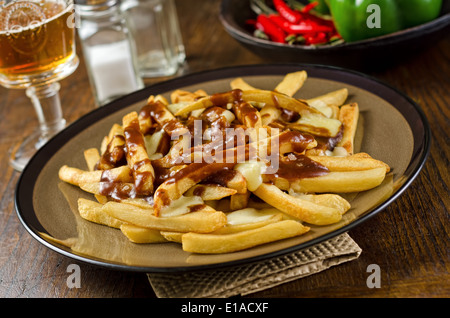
(250, 278)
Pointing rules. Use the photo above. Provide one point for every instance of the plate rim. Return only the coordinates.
(88, 119)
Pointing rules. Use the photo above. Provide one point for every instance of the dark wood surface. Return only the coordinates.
(409, 240)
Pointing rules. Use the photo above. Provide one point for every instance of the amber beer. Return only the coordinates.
(35, 37)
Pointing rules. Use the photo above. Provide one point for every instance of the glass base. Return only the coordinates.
(156, 64)
(20, 154)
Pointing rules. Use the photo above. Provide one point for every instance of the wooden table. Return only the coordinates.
(409, 240)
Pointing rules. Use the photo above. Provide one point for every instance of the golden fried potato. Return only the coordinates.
(199, 221)
(304, 210)
(92, 211)
(227, 243)
(137, 234)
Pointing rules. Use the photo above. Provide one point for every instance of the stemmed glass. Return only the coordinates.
(37, 49)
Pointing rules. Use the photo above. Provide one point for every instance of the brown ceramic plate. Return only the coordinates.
(392, 128)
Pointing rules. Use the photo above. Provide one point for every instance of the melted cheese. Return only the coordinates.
(181, 206)
(252, 172)
(250, 215)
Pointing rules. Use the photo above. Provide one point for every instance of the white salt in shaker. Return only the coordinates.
(108, 50)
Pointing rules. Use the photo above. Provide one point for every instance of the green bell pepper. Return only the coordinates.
(357, 20)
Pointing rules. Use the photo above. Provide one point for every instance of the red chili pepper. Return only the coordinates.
(251, 22)
(287, 12)
(274, 32)
(318, 38)
(318, 20)
(293, 26)
(306, 26)
(310, 6)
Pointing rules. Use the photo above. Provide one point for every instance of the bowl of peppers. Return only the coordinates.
(365, 34)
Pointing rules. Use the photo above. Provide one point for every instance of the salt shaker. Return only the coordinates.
(108, 49)
(155, 29)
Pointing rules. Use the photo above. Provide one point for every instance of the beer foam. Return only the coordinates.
(46, 12)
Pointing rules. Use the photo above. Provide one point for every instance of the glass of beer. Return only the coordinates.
(37, 49)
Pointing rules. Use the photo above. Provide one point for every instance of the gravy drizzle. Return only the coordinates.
(292, 164)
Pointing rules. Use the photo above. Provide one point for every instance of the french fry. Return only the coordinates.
(101, 198)
(228, 229)
(172, 236)
(326, 110)
(158, 98)
(240, 83)
(184, 179)
(213, 243)
(210, 191)
(113, 187)
(201, 103)
(239, 201)
(145, 120)
(336, 98)
(341, 182)
(113, 154)
(92, 211)
(175, 107)
(303, 210)
(104, 144)
(77, 176)
(220, 116)
(92, 156)
(330, 200)
(279, 100)
(180, 95)
(356, 162)
(231, 179)
(153, 142)
(176, 154)
(91, 187)
(249, 218)
(162, 115)
(318, 125)
(142, 235)
(334, 111)
(115, 130)
(291, 83)
(248, 115)
(139, 202)
(348, 116)
(269, 114)
(198, 221)
(184, 204)
(137, 156)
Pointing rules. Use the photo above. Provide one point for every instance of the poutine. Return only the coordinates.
(223, 172)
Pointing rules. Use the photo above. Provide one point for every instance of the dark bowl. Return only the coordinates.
(374, 53)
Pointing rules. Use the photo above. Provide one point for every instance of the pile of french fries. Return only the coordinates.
(145, 183)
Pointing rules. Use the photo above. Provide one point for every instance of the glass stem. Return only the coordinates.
(46, 102)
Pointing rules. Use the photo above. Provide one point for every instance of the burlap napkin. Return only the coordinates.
(247, 279)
